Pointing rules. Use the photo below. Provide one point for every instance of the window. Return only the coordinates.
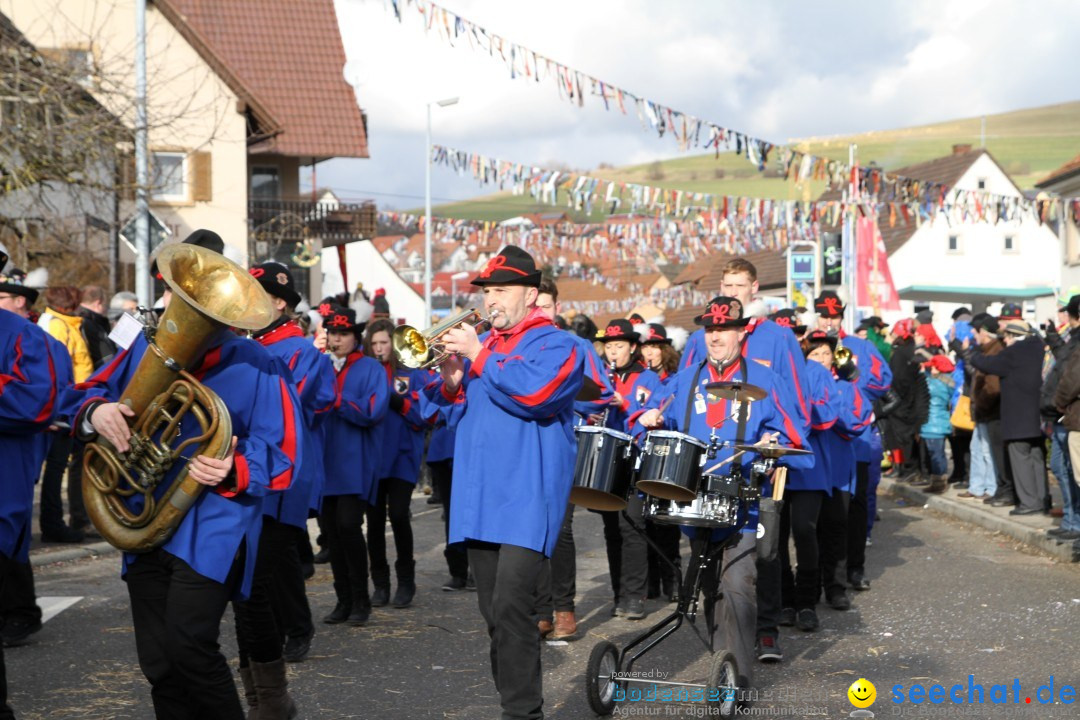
(1010, 243)
(982, 183)
(168, 180)
(265, 184)
(954, 243)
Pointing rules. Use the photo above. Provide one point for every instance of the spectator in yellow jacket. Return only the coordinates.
(61, 320)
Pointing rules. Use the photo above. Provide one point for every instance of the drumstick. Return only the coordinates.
(723, 462)
(779, 479)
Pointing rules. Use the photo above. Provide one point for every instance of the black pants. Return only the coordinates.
(628, 559)
(856, 524)
(6, 568)
(799, 518)
(558, 579)
(1028, 461)
(506, 581)
(397, 495)
(177, 617)
(960, 444)
(457, 558)
(76, 506)
(833, 541)
(290, 603)
(343, 524)
(1006, 488)
(668, 538)
(18, 599)
(52, 502)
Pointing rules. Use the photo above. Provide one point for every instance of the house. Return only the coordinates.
(240, 95)
(1065, 183)
(366, 266)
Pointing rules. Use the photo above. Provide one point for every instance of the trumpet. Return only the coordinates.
(844, 362)
(422, 349)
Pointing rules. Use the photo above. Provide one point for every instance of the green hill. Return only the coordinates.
(1028, 143)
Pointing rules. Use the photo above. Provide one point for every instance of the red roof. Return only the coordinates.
(1065, 171)
(285, 59)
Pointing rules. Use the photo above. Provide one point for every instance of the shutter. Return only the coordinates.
(202, 182)
(125, 175)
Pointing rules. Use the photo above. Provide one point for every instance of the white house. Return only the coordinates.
(1065, 183)
(365, 264)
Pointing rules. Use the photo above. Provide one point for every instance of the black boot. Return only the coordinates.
(361, 607)
(322, 557)
(339, 614)
(271, 686)
(249, 693)
(406, 590)
(381, 596)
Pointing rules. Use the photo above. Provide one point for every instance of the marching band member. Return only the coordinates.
(28, 402)
(510, 397)
(278, 592)
(874, 380)
(693, 412)
(401, 441)
(352, 463)
(658, 353)
(627, 550)
(179, 590)
(440, 460)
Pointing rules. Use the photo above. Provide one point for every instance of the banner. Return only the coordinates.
(873, 280)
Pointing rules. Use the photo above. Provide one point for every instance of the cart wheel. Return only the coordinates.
(600, 677)
(723, 684)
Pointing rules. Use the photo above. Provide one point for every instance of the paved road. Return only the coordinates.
(948, 600)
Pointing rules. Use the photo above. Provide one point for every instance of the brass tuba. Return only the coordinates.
(210, 292)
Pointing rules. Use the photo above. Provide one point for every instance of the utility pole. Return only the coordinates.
(144, 284)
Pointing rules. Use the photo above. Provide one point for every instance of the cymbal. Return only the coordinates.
(772, 450)
(738, 391)
(590, 390)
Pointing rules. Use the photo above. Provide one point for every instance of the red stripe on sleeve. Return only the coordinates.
(798, 387)
(789, 427)
(288, 443)
(546, 392)
(47, 410)
(243, 477)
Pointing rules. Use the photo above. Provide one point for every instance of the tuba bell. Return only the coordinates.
(423, 349)
(210, 292)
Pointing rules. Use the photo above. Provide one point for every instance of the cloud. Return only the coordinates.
(771, 68)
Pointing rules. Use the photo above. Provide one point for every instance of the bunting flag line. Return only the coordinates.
(689, 131)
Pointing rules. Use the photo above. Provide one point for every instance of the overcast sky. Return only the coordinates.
(774, 69)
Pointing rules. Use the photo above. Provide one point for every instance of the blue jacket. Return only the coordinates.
(313, 377)
(265, 414)
(441, 445)
(597, 371)
(636, 385)
(353, 455)
(875, 379)
(28, 401)
(515, 448)
(824, 412)
(401, 433)
(938, 423)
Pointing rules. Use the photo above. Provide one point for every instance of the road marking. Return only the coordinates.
(53, 606)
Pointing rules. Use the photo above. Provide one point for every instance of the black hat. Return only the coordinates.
(828, 305)
(960, 312)
(203, 238)
(342, 319)
(875, 322)
(657, 335)
(380, 305)
(725, 312)
(3, 256)
(636, 319)
(818, 337)
(787, 318)
(14, 282)
(277, 281)
(326, 306)
(1073, 306)
(512, 266)
(1011, 311)
(924, 317)
(989, 323)
(619, 329)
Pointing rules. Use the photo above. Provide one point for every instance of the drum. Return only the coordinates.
(711, 510)
(604, 468)
(670, 465)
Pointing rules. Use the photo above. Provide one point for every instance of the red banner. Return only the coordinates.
(874, 286)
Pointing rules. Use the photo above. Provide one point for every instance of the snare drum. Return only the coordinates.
(604, 468)
(706, 510)
(670, 465)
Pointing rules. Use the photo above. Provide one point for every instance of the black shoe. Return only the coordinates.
(787, 617)
(858, 582)
(339, 614)
(617, 609)
(62, 534)
(1055, 532)
(297, 648)
(307, 570)
(839, 601)
(1002, 502)
(322, 557)
(361, 613)
(406, 591)
(634, 609)
(1068, 535)
(381, 596)
(807, 620)
(434, 500)
(1025, 511)
(17, 632)
(454, 583)
(768, 649)
(470, 583)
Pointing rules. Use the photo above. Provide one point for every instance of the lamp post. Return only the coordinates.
(427, 210)
(453, 288)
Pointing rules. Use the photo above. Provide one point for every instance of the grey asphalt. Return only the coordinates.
(949, 600)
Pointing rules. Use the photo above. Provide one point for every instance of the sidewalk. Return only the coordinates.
(1027, 529)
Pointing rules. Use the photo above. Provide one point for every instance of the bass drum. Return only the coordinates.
(604, 468)
(670, 465)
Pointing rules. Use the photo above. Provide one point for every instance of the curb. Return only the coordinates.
(93, 550)
(1033, 537)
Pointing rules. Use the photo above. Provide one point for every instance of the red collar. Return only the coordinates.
(536, 318)
(288, 330)
(726, 375)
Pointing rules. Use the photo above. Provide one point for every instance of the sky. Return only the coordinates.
(773, 69)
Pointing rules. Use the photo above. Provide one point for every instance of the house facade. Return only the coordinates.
(1064, 183)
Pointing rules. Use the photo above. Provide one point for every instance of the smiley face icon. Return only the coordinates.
(862, 693)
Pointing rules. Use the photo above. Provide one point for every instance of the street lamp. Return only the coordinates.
(453, 288)
(427, 210)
